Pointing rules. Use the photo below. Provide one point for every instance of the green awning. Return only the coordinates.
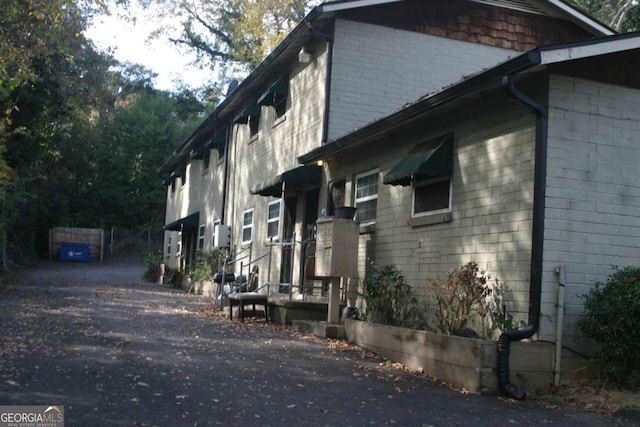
(243, 118)
(201, 153)
(429, 160)
(191, 221)
(180, 172)
(307, 174)
(219, 139)
(279, 88)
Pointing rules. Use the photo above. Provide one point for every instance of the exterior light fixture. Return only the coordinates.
(304, 56)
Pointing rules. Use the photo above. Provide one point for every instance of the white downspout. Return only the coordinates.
(560, 271)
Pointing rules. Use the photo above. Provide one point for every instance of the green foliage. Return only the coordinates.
(176, 278)
(504, 320)
(81, 136)
(621, 15)
(389, 299)
(462, 300)
(206, 264)
(231, 34)
(133, 140)
(152, 269)
(612, 318)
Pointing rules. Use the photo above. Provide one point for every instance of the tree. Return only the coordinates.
(46, 68)
(621, 15)
(232, 35)
(143, 131)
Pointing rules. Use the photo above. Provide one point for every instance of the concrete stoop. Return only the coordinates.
(320, 329)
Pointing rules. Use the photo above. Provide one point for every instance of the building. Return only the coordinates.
(362, 60)
(503, 132)
(528, 168)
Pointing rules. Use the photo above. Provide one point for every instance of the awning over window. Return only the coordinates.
(218, 139)
(307, 174)
(279, 88)
(200, 154)
(429, 160)
(181, 172)
(191, 221)
(243, 118)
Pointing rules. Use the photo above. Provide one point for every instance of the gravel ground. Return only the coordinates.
(118, 352)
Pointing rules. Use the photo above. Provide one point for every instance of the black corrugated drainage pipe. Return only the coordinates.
(537, 240)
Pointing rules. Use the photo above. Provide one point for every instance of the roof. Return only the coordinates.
(288, 49)
(476, 84)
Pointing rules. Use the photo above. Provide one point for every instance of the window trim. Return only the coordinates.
(276, 220)
(356, 200)
(247, 226)
(202, 229)
(213, 232)
(423, 183)
(277, 96)
(206, 160)
(254, 129)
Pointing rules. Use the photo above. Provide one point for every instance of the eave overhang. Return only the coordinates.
(473, 86)
(285, 53)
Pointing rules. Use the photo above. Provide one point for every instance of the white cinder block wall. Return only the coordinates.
(377, 70)
(201, 192)
(593, 191)
(491, 207)
(271, 152)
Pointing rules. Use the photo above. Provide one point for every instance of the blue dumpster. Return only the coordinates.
(74, 252)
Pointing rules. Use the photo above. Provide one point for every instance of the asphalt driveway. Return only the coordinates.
(118, 352)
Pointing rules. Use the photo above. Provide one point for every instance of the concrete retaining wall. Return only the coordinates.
(462, 362)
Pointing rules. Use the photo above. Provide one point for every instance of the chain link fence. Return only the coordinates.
(121, 241)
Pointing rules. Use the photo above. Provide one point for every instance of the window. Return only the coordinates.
(280, 105)
(431, 196)
(428, 168)
(183, 176)
(273, 220)
(254, 125)
(213, 234)
(251, 116)
(201, 231)
(205, 161)
(336, 195)
(367, 196)
(169, 245)
(179, 244)
(276, 96)
(247, 226)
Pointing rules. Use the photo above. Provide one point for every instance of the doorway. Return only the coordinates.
(289, 227)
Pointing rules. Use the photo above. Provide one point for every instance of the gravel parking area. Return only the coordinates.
(115, 351)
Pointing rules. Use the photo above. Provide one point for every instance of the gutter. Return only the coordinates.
(537, 242)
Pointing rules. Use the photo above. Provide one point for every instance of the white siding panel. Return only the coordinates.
(377, 70)
(593, 189)
(492, 200)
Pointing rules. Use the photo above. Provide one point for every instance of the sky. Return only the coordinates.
(130, 43)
